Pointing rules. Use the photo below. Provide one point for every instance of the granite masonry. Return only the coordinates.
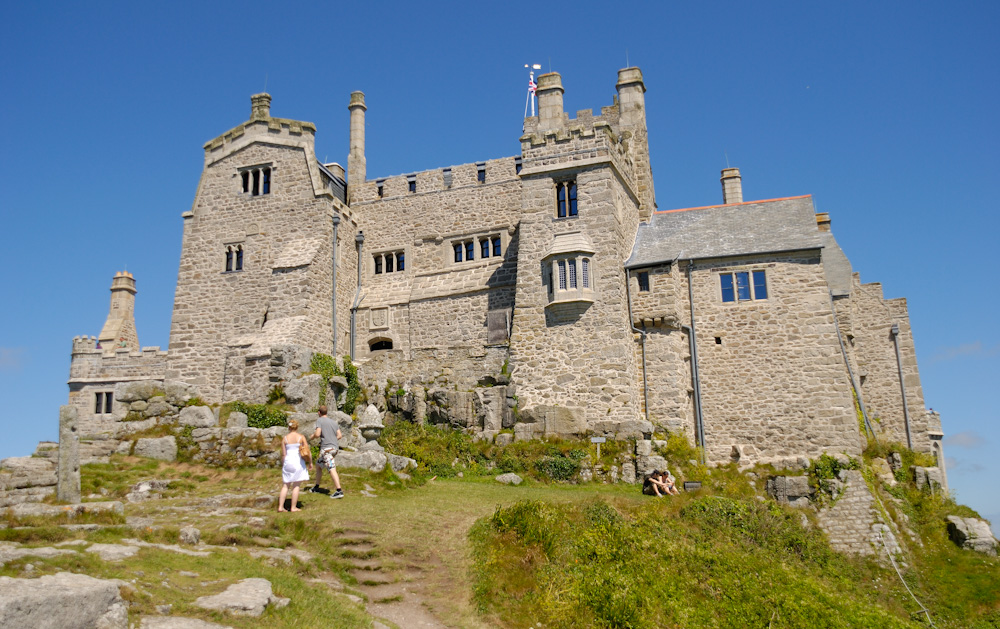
(538, 294)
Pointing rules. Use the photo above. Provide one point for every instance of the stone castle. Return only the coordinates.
(550, 274)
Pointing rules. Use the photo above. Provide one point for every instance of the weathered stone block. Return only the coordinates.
(140, 390)
(973, 534)
(792, 490)
(504, 439)
(509, 478)
(304, 392)
(163, 448)
(63, 601)
(68, 489)
(927, 478)
(236, 419)
(197, 417)
(369, 460)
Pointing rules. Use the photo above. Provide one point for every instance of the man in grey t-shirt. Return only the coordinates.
(328, 433)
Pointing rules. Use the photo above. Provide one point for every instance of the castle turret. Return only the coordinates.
(632, 119)
(550, 101)
(119, 329)
(356, 165)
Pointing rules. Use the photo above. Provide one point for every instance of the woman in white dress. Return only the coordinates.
(293, 466)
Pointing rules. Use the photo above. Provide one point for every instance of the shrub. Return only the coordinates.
(326, 366)
(261, 415)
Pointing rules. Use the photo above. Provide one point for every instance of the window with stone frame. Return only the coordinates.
(566, 206)
(234, 258)
(743, 286)
(103, 401)
(643, 277)
(389, 262)
(256, 180)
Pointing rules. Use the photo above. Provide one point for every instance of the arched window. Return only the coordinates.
(239, 257)
(379, 344)
(229, 259)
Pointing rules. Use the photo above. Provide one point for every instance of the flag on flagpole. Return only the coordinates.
(531, 85)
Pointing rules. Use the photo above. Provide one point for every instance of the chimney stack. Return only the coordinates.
(550, 101)
(732, 186)
(823, 221)
(356, 165)
(631, 99)
(260, 106)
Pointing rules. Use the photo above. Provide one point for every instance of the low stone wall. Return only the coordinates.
(854, 524)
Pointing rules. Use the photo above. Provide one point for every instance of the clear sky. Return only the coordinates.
(886, 112)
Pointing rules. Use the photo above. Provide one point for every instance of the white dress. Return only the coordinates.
(294, 470)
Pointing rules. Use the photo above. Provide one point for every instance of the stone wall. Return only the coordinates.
(94, 370)
(773, 379)
(867, 320)
(854, 525)
(283, 293)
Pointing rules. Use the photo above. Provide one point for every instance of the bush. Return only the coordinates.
(261, 415)
(326, 366)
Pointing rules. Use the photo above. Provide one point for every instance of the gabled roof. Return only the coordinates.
(736, 229)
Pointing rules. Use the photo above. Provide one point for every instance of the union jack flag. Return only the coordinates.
(531, 85)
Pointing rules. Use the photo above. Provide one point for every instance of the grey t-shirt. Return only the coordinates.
(328, 433)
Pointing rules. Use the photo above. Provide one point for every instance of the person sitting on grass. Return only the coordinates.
(659, 484)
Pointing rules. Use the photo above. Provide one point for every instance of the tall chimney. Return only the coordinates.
(356, 165)
(260, 106)
(732, 186)
(631, 99)
(119, 328)
(550, 101)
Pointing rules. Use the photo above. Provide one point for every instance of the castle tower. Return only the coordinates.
(356, 166)
(119, 328)
(578, 222)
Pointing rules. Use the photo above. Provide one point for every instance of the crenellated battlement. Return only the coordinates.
(462, 176)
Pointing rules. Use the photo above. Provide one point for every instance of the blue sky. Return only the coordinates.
(884, 112)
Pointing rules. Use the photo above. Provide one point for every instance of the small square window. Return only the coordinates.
(411, 181)
(481, 172)
(644, 282)
(380, 187)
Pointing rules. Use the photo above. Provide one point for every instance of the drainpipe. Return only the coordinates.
(336, 222)
(360, 240)
(902, 386)
(642, 343)
(850, 372)
(693, 343)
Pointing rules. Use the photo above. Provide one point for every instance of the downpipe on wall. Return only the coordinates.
(693, 345)
(333, 255)
(360, 240)
(642, 344)
(902, 386)
(850, 372)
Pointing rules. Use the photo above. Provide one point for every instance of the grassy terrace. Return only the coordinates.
(543, 554)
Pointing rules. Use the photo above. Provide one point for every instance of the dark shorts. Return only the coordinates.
(326, 459)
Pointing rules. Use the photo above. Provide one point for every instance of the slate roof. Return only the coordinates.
(727, 230)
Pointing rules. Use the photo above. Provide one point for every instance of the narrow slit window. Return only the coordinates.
(229, 258)
(484, 244)
(256, 182)
(246, 180)
(411, 182)
(572, 198)
(481, 173)
(98, 403)
(388, 263)
(470, 251)
(644, 282)
(517, 165)
(379, 188)
(458, 252)
(572, 273)
(743, 286)
(108, 400)
(496, 247)
(446, 173)
(378, 264)
(239, 258)
(561, 201)
(400, 262)
(266, 185)
(759, 285)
